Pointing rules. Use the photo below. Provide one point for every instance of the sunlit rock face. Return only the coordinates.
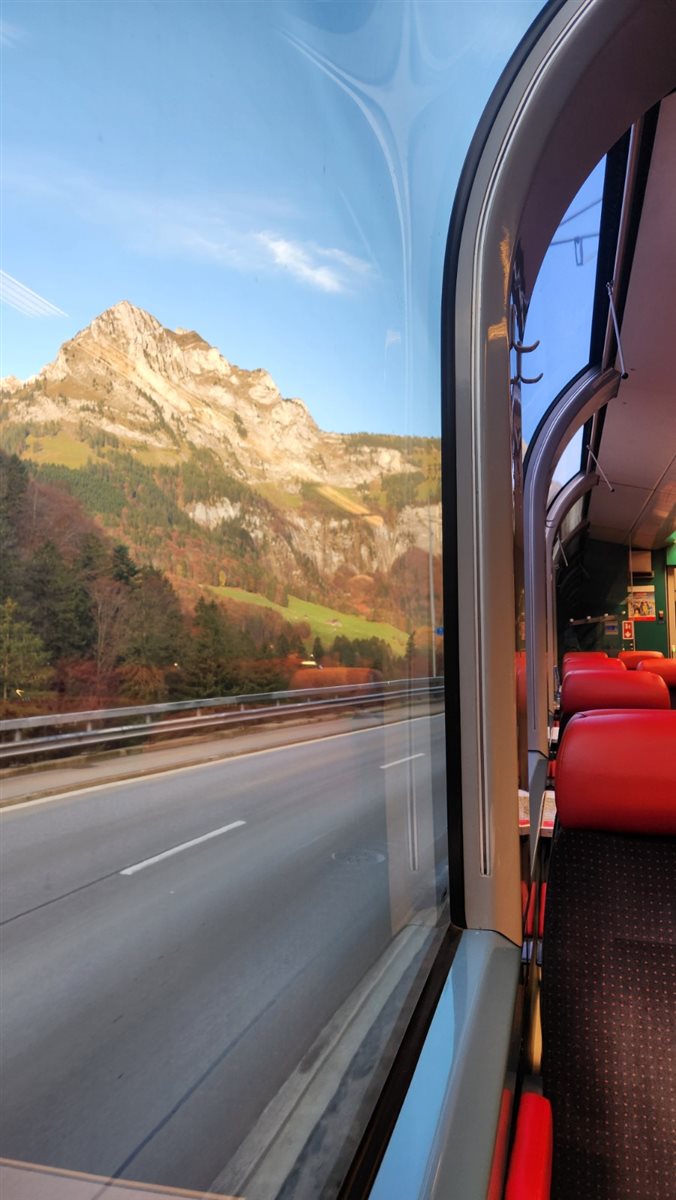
(155, 387)
(127, 384)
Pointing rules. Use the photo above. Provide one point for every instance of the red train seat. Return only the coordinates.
(609, 958)
(595, 664)
(631, 658)
(573, 655)
(582, 691)
(666, 669)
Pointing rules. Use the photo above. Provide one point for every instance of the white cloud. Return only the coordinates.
(392, 338)
(301, 262)
(234, 231)
(24, 300)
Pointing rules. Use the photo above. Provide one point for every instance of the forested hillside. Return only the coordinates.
(81, 621)
(175, 527)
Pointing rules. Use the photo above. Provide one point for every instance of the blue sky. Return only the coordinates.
(560, 313)
(266, 173)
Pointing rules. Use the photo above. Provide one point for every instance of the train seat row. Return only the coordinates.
(609, 957)
(599, 683)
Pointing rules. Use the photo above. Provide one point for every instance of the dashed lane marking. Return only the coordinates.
(206, 837)
(398, 761)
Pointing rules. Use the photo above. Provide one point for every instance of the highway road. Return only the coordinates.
(172, 946)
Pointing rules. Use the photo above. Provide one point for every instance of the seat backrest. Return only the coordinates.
(582, 691)
(665, 668)
(616, 771)
(597, 664)
(631, 658)
(609, 957)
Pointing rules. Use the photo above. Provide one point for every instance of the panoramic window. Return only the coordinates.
(560, 315)
(221, 607)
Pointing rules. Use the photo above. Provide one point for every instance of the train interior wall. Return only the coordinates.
(601, 587)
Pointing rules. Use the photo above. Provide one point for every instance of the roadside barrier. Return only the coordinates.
(20, 737)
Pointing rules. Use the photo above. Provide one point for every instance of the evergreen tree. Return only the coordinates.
(60, 609)
(13, 489)
(155, 629)
(318, 650)
(344, 651)
(23, 660)
(93, 559)
(217, 649)
(124, 569)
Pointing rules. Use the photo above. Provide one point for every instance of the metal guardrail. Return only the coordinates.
(103, 725)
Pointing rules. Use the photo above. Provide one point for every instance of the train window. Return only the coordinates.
(560, 313)
(224, 229)
(568, 464)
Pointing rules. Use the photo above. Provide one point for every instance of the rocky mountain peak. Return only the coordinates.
(152, 389)
(124, 321)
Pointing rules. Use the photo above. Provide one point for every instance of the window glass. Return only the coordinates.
(572, 519)
(568, 464)
(560, 311)
(223, 237)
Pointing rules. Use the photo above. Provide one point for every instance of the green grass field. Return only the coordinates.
(154, 456)
(277, 496)
(60, 449)
(326, 623)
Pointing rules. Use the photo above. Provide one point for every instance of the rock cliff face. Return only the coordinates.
(125, 374)
(301, 499)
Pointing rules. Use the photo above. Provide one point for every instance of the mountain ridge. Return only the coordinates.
(209, 473)
(161, 386)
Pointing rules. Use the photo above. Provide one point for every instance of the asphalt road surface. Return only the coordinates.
(171, 946)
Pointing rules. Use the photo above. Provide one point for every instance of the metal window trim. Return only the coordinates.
(589, 393)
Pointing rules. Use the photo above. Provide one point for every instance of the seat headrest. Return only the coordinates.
(665, 667)
(631, 658)
(616, 772)
(597, 664)
(583, 656)
(585, 690)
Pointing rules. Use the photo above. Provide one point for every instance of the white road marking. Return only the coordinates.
(215, 760)
(398, 761)
(150, 862)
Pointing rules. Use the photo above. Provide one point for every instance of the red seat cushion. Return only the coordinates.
(617, 772)
(585, 690)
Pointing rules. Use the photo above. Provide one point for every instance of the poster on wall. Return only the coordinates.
(628, 631)
(641, 603)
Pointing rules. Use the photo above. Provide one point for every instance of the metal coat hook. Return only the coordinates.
(519, 349)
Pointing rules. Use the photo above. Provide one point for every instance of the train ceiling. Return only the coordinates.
(638, 447)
